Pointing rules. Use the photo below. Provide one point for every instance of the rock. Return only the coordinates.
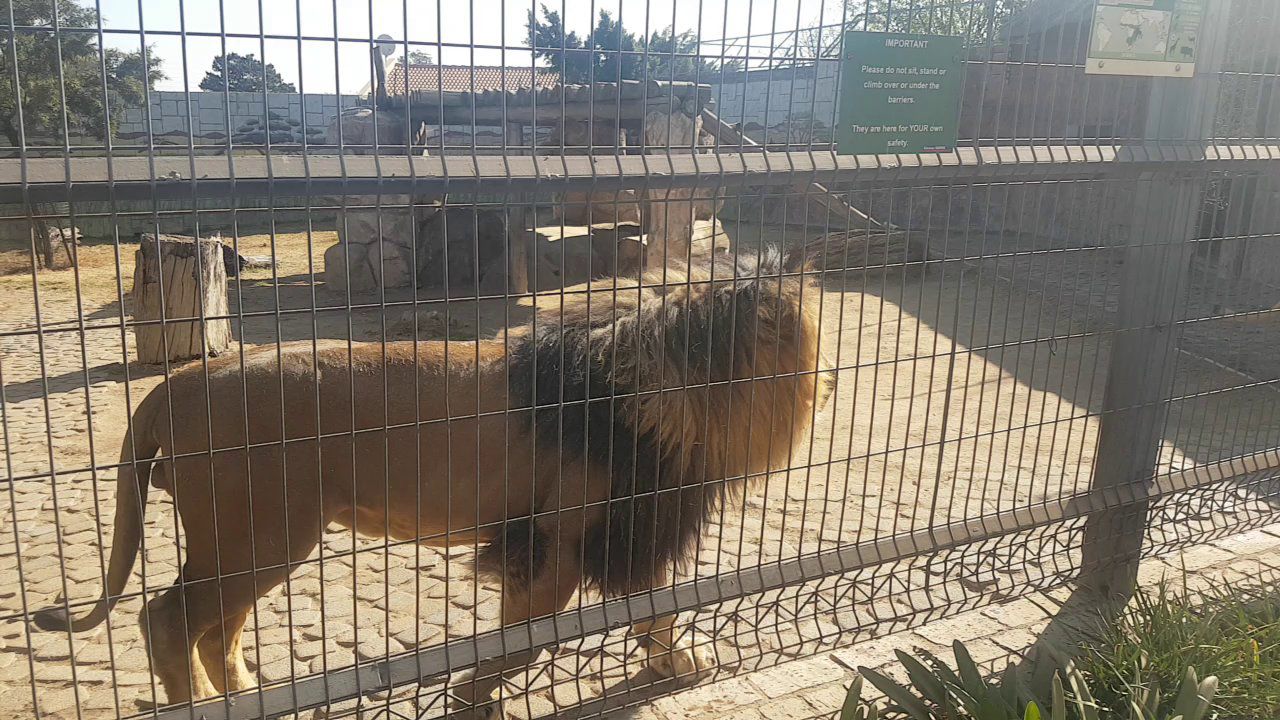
(390, 264)
(470, 231)
(70, 234)
(345, 269)
(358, 130)
(385, 254)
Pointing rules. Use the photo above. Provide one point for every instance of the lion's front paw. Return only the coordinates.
(685, 661)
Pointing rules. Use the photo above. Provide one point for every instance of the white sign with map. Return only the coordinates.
(1156, 38)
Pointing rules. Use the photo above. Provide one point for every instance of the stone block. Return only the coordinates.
(211, 119)
(795, 676)
(1249, 543)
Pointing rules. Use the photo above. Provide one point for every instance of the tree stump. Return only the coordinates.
(670, 212)
(177, 281)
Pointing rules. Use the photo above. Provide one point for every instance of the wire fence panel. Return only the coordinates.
(383, 360)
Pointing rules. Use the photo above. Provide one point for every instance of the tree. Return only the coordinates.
(421, 57)
(675, 56)
(45, 101)
(611, 53)
(243, 73)
(978, 20)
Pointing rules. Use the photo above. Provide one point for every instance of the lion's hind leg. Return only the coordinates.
(223, 656)
(172, 624)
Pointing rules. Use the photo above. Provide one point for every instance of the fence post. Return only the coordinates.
(1134, 406)
(1153, 282)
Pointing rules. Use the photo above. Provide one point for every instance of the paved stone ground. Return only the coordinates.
(1016, 415)
(815, 687)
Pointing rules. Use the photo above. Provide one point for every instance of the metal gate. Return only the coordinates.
(691, 393)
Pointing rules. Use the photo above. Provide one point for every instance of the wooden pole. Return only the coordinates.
(178, 282)
(668, 213)
(380, 74)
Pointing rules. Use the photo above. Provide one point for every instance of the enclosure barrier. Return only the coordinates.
(1045, 354)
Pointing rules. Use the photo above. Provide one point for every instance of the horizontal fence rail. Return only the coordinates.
(177, 178)
(542, 361)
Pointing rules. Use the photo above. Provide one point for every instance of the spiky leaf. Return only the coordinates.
(926, 682)
(900, 696)
(853, 707)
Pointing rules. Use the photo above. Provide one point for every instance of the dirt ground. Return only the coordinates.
(965, 386)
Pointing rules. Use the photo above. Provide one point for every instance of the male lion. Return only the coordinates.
(587, 449)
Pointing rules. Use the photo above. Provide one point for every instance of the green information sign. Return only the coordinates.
(1157, 38)
(900, 93)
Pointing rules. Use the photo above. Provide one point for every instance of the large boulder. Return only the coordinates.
(463, 240)
(361, 126)
(379, 247)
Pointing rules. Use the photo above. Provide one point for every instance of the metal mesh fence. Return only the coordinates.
(553, 355)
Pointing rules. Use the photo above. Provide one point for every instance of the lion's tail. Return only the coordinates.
(132, 483)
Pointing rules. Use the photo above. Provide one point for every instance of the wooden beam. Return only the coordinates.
(826, 200)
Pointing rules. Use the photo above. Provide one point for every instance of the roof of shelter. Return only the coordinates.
(467, 78)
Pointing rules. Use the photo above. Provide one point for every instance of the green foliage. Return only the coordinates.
(1233, 630)
(421, 57)
(45, 100)
(936, 691)
(610, 52)
(243, 73)
(976, 19)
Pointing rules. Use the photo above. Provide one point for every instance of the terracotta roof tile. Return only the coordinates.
(466, 78)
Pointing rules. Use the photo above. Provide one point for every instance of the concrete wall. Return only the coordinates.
(208, 113)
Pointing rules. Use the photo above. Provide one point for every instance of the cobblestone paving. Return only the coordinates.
(872, 468)
(815, 687)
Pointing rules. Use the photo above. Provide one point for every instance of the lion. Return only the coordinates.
(585, 450)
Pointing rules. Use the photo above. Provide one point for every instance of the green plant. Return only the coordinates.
(939, 692)
(60, 77)
(244, 73)
(1234, 630)
(610, 51)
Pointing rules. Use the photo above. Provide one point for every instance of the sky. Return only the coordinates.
(445, 28)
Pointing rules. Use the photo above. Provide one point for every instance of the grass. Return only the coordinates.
(1229, 631)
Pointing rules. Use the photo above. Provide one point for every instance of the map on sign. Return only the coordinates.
(1156, 38)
